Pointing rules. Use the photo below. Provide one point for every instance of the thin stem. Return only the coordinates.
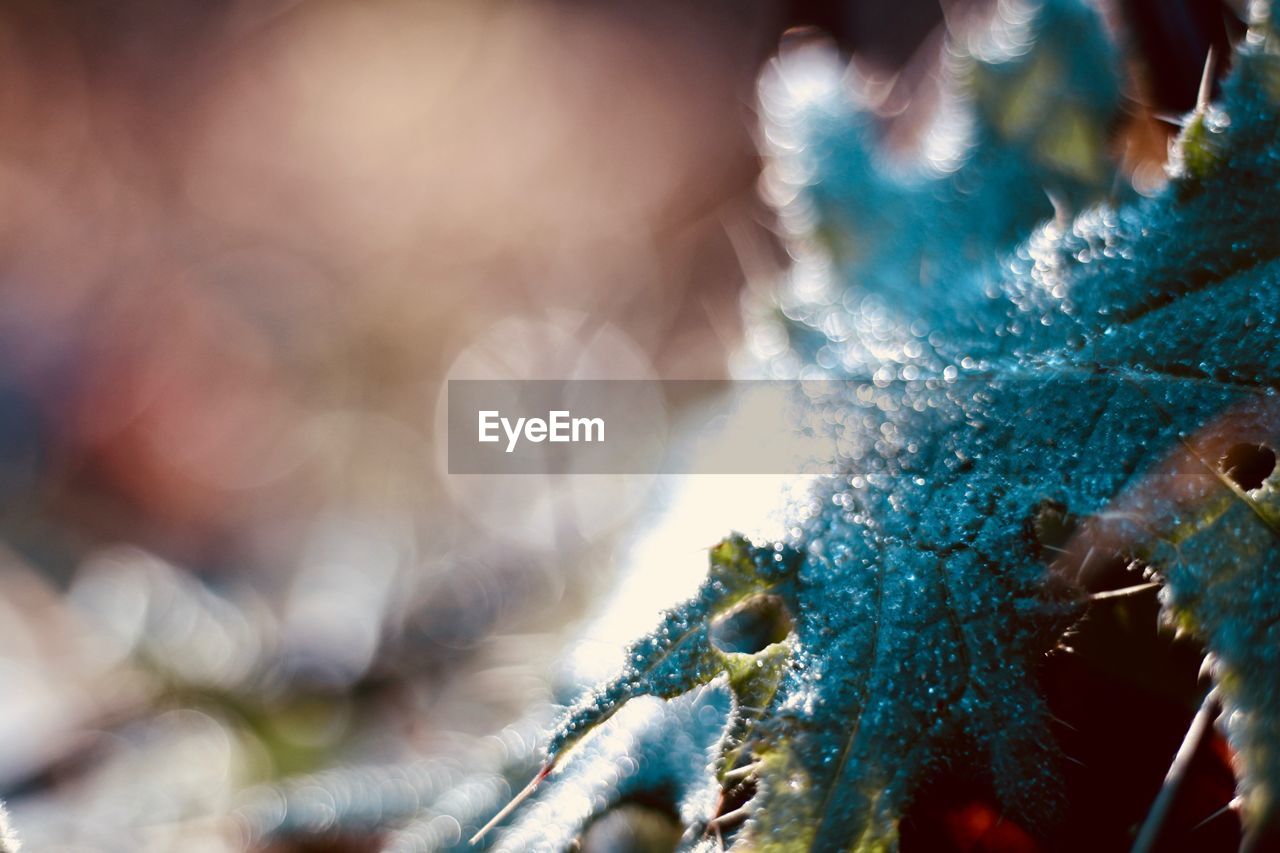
(1201, 725)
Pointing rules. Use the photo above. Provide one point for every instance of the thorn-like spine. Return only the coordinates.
(514, 802)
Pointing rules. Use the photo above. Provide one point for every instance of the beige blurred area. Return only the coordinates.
(242, 244)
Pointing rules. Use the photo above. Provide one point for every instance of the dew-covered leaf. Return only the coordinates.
(1094, 394)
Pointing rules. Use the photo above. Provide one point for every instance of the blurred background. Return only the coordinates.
(243, 243)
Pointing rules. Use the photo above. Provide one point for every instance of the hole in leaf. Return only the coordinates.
(748, 628)
(1050, 527)
(1248, 465)
(633, 826)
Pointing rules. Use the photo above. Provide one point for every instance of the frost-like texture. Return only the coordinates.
(1027, 109)
(8, 839)
(1104, 371)
(657, 752)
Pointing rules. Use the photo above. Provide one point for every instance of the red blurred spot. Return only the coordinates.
(976, 827)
